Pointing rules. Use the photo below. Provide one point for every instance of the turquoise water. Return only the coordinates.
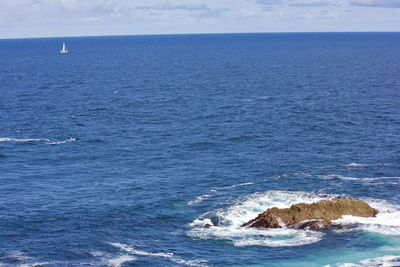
(119, 152)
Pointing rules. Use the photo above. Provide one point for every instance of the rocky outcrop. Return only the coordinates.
(312, 216)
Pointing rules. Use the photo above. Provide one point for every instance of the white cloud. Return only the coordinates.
(376, 3)
(312, 4)
(103, 17)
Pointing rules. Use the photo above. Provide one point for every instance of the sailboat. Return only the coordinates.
(64, 49)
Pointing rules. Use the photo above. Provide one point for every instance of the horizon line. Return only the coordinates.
(200, 33)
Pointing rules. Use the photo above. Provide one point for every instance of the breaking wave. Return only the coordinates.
(386, 222)
(225, 223)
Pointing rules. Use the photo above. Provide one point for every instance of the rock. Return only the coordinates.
(312, 216)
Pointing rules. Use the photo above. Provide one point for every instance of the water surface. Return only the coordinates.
(118, 152)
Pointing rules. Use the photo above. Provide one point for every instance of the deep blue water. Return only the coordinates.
(118, 152)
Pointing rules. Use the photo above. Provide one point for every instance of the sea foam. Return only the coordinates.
(225, 223)
(216, 192)
(353, 164)
(25, 261)
(200, 199)
(367, 180)
(132, 250)
(384, 261)
(118, 261)
(11, 139)
(60, 142)
(386, 222)
(44, 140)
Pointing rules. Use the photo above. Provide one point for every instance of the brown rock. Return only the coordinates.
(312, 216)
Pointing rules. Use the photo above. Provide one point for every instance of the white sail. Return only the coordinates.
(64, 49)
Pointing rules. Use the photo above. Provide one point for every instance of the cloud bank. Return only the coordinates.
(24, 18)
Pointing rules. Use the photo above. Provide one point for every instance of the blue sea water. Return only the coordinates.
(119, 152)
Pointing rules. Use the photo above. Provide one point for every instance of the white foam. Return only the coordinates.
(199, 222)
(60, 142)
(96, 253)
(34, 264)
(248, 208)
(170, 256)
(45, 140)
(10, 139)
(361, 179)
(190, 262)
(385, 261)
(117, 262)
(239, 185)
(26, 261)
(353, 164)
(207, 196)
(230, 220)
(199, 199)
(134, 251)
(386, 222)
(383, 223)
(281, 237)
(17, 255)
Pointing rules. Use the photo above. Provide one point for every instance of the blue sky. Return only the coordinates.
(42, 18)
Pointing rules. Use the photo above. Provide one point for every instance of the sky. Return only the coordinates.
(53, 18)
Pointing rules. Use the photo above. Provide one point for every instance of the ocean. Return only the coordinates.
(120, 151)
